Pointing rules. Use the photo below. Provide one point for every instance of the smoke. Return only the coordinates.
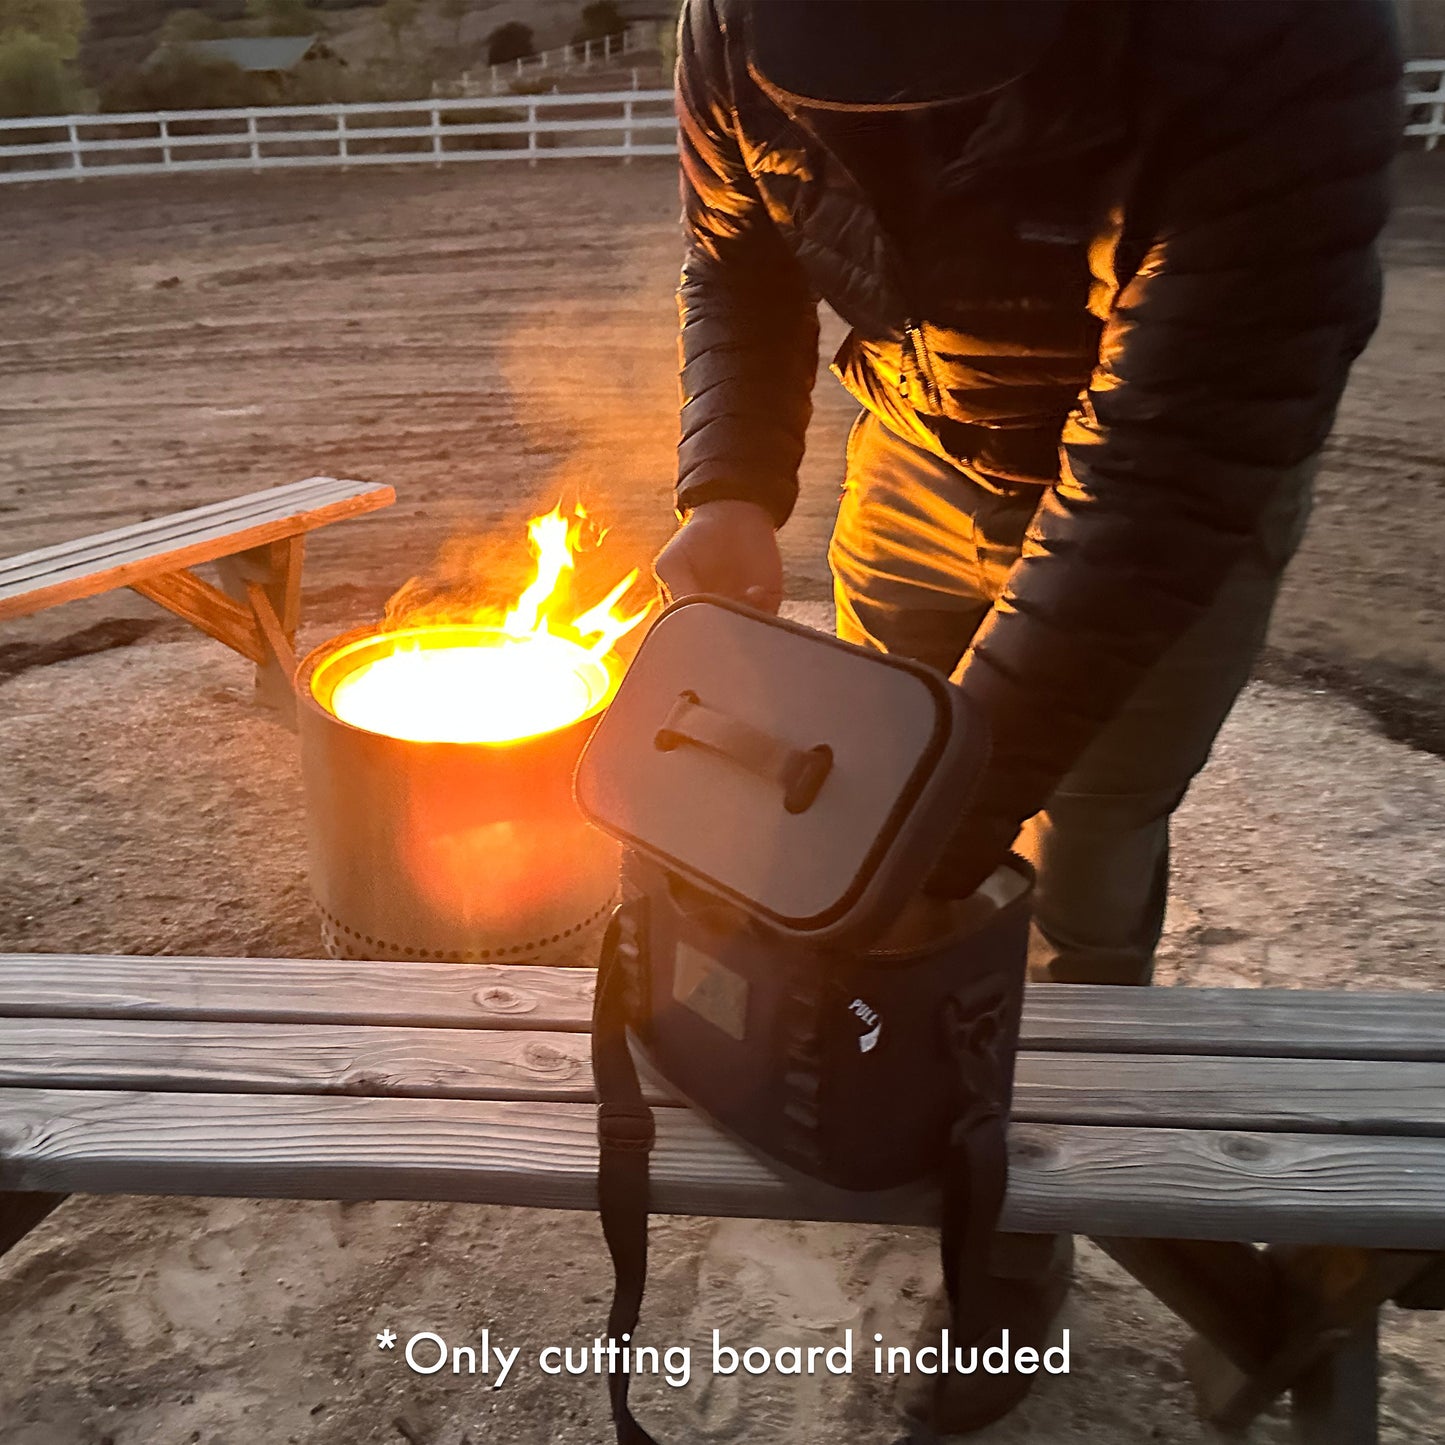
(592, 382)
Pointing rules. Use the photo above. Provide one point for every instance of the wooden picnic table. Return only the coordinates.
(1270, 1163)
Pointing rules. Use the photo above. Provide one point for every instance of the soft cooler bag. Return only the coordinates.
(781, 796)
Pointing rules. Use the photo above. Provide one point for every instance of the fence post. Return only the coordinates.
(587, 53)
(532, 134)
(436, 134)
(77, 162)
(1437, 119)
(627, 134)
(343, 150)
(165, 138)
(254, 134)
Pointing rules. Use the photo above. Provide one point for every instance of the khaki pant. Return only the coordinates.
(920, 551)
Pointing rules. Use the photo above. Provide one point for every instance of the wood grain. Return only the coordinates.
(1238, 1022)
(1150, 1091)
(438, 995)
(36, 580)
(208, 608)
(266, 505)
(1284, 1023)
(1089, 1179)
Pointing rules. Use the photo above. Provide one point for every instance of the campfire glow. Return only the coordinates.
(488, 679)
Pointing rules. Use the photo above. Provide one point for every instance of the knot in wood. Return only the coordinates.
(1030, 1149)
(500, 1000)
(545, 1058)
(1244, 1146)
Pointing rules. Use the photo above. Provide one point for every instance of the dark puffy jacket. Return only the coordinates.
(1136, 276)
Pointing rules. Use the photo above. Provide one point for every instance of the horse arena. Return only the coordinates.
(485, 341)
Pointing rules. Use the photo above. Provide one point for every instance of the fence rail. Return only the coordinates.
(1425, 106)
(619, 124)
(580, 55)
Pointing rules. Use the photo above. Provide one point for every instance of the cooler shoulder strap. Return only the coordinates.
(625, 1131)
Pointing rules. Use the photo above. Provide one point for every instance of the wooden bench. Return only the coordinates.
(1182, 1129)
(257, 541)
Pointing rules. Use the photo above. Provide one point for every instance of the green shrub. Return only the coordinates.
(34, 77)
(282, 17)
(181, 79)
(58, 22)
(189, 24)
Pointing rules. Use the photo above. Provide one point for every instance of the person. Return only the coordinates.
(1106, 267)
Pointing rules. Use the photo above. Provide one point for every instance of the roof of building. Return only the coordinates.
(257, 53)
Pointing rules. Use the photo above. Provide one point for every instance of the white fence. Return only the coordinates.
(578, 56)
(1425, 106)
(617, 124)
(612, 124)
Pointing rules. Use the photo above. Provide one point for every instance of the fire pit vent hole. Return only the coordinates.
(342, 941)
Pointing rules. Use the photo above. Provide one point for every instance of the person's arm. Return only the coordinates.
(748, 342)
(1220, 368)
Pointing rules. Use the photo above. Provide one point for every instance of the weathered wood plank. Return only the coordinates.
(1360, 1096)
(269, 504)
(1094, 1180)
(1285, 1023)
(44, 582)
(1238, 1022)
(373, 1059)
(1152, 1091)
(437, 995)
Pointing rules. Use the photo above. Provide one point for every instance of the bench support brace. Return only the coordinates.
(1271, 1321)
(255, 611)
(20, 1213)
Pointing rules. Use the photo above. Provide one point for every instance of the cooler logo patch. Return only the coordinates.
(860, 1010)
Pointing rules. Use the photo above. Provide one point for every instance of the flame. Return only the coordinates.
(475, 678)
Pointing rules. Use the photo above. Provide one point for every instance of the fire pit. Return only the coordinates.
(437, 762)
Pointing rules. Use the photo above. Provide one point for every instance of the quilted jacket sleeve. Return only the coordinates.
(1220, 368)
(748, 348)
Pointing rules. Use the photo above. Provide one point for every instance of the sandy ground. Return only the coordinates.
(483, 341)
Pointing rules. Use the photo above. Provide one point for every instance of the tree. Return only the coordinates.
(59, 23)
(597, 21)
(511, 41)
(34, 76)
(455, 11)
(182, 79)
(282, 17)
(399, 16)
(181, 26)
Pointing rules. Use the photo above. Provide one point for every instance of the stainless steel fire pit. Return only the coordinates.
(470, 852)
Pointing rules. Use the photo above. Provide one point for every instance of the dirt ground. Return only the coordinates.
(483, 341)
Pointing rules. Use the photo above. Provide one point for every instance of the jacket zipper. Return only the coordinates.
(916, 348)
(896, 270)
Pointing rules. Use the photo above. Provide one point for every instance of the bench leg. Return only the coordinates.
(1228, 1293)
(1336, 1400)
(255, 611)
(267, 581)
(20, 1213)
(1278, 1320)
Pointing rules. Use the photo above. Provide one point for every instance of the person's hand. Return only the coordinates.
(727, 548)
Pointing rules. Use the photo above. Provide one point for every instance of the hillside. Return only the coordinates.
(121, 32)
